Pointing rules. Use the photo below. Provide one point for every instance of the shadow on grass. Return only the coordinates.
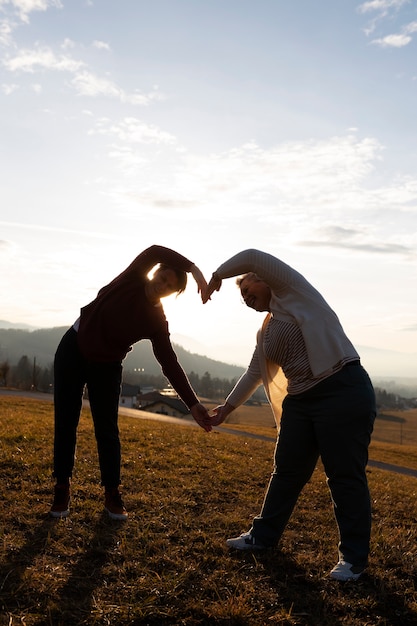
(75, 600)
(316, 600)
(70, 602)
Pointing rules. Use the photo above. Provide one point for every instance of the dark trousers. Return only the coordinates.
(334, 421)
(71, 373)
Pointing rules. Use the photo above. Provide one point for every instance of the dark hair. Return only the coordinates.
(180, 274)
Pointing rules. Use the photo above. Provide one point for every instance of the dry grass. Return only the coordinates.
(186, 491)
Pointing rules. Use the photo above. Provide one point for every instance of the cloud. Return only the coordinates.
(412, 328)
(393, 41)
(41, 58)
(6, 30)
(88, 84)
(381, 6)
(382, 10)
(355, 239)
(68, 44)
(286, 177)
(379, 248)
(9, 88)
(101, 45)
(84, 82)
(23, 8)
(322, 194)
(398, 40)
(133, 131)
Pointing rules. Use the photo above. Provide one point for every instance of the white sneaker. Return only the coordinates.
(346, 571)
(246, 541)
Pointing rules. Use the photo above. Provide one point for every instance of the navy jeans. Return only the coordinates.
(334, 420)
(71, 373)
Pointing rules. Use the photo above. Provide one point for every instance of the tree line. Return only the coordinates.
(27, 375)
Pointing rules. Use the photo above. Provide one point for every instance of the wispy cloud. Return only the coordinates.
(382, 6)
(41, 58)
(6, 32)
(380, 248)
(384, 11)
(23, 8)
(101, 45)
(131, 130)
(398, 40)
(393, 41)
(296, 174)
(9, 88)
(89, 84)
(361, 239)
(294, 187)
(84, 82)
(412, 328)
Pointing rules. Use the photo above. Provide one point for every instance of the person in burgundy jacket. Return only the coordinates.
(91, 353)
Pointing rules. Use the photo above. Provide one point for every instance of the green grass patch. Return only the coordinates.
(186, 492)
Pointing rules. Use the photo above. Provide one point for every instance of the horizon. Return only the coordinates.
(370, 356)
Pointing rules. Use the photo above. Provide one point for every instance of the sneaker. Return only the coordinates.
(346, 571)
(246, 541)
(60, 505)
(114, 505)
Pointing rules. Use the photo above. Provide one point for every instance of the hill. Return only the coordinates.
(41, 344)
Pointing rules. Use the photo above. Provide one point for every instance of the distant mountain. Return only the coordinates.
(4, 324)
(42, 343)
(394, 371)
(388, 363)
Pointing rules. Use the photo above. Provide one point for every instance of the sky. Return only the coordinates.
(212, 126)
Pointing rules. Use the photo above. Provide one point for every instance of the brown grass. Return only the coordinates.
(186, 491)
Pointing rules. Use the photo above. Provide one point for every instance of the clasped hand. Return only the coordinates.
(204, 289)
(214, 285)
(207, 421)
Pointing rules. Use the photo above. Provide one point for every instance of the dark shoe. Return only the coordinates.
(344, 571)
(114, 505)
(60, 505)
(246, 541)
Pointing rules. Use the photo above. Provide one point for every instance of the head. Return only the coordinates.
(255, 292)
(166, 281)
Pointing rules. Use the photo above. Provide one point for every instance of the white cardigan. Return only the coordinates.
(293, 299)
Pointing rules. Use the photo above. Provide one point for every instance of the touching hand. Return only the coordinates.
(214, 285)
(220, 413)
(201, 416)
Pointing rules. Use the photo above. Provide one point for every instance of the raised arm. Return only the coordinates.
(277, 274)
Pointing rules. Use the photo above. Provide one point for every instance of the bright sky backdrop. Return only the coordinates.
(211, 126)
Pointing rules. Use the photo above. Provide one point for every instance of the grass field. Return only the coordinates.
(186, 492)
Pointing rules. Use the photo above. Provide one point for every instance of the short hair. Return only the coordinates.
(180, 274)
(251, 276)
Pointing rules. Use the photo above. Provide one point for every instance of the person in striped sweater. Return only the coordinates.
(322, 399)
